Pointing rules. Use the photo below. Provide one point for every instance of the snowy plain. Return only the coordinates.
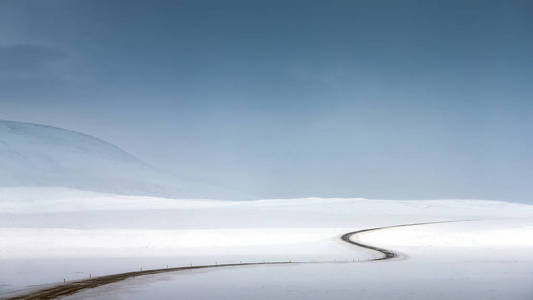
(474, 260)
(49, 234)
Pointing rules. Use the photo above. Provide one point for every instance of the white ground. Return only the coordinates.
(468, 263)
(48, 234)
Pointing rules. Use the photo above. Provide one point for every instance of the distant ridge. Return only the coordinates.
(41, 155)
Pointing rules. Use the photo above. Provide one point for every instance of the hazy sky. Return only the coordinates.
(378, 99)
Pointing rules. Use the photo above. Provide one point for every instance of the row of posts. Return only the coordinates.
(216, 264)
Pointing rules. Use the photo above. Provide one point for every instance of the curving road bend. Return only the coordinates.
(73, 287)
(387, 254)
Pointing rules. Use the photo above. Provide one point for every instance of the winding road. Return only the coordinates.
(387, 254)
(73, 287)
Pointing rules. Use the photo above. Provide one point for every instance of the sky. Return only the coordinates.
(377, 99)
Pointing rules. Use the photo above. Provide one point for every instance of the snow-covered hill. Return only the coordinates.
(39, 155)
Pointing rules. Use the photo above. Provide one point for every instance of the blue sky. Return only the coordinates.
(378, 99)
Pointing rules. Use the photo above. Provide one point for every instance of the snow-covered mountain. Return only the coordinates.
(39, 155)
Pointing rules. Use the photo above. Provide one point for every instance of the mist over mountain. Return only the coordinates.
(40, 155)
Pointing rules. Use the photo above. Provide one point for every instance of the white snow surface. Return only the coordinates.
(416, 278)
(40, 155)
(48, 234)
(483, 259)
(480, 233)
